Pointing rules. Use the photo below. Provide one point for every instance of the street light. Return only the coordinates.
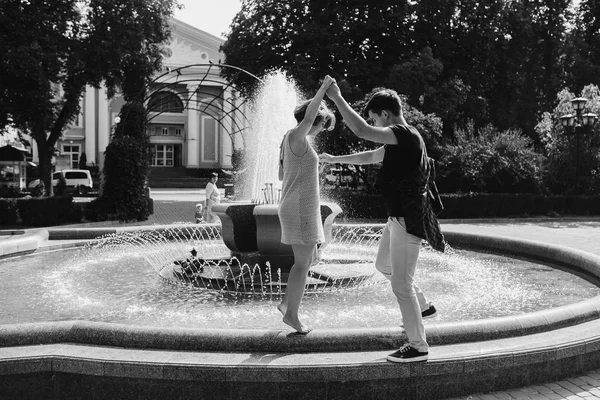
(578, 124)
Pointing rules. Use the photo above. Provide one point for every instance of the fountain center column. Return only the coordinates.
(253, 232)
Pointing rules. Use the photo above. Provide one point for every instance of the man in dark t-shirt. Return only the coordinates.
(402, 153)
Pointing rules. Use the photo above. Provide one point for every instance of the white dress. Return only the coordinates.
(213, 196)
(299, 206)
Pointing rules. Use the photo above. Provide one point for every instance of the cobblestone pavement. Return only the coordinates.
(583, 387)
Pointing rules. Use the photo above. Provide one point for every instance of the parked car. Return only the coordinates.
(78, 180)
(340, 176)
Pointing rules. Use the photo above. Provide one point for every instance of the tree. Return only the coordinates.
(83, 161)
(126, 168)
(356, 41)
(52, 49)
(583, 46)
(571, 167)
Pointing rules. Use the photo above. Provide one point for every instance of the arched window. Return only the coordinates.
(165, 102)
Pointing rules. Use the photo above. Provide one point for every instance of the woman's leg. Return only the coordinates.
(304, 255)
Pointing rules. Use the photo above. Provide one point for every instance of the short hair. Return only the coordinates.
(214, 175)
(385, 99)
(323, 113)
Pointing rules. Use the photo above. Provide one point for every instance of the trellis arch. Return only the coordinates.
(223, 104)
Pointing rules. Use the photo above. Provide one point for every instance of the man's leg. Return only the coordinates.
(404, 250)
(383, 263)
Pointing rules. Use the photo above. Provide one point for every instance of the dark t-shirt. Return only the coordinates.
(398, 161)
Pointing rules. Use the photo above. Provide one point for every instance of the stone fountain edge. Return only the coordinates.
(323, 340)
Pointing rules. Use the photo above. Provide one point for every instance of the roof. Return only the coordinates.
(10, 153)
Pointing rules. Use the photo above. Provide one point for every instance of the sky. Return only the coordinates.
(212, 16)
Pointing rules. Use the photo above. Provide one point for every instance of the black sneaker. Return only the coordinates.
(408, 354)
(431, 312)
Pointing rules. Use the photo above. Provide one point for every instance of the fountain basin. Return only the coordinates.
(480, 356)
(335, 339)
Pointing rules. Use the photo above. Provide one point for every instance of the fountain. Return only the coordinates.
(250, 227)
(128, 347)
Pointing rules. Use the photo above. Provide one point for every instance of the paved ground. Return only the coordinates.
(582, 233)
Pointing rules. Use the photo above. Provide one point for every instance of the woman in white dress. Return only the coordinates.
(299, 206)
(213, 196)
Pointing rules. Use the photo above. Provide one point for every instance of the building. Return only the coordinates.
(194, 120)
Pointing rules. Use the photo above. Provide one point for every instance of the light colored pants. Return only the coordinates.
(397, 260)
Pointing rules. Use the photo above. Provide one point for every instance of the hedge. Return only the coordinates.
(8, 211)
(356, 204)
(40, 211)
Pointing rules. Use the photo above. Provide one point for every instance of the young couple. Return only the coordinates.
(404, 179)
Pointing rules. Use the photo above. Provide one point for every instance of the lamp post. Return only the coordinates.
(578, 124)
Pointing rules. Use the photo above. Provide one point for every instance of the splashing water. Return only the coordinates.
(272, 115)
(111, 280)
(195, 256)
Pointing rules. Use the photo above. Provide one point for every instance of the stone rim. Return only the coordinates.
(321, 340)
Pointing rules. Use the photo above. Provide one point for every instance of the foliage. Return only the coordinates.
(499, 62)
(573, 154)
(38, 190)
(487, 160)
(310, 38)
(582, 55)
(8, 211)
(10, 191)
(40, 211)
(237, 159)
(83, 161)
(366, 205)
(126, 168)
(46, 211)
(342, 141)
(52, 49)
(61, 186)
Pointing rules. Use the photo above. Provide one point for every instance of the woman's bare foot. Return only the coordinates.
(282, 308)
(297, 325)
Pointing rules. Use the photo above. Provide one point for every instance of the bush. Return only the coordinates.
(61, 186)
(573, 156)
(490, 161)
(45, 211)
(10, 192)
(9, 211)
(125, 169)
(77, 213)
(357, 204)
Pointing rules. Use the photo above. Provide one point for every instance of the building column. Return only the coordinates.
(89, 124)
(103, 125)
(227, 130)
(192, 140)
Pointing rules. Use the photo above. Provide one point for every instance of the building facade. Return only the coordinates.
(194, 116)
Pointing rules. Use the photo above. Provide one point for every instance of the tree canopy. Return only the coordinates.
(493, 61)
(52, 49)
(355, 40)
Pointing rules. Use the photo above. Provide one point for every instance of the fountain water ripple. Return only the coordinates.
(115, 280)
(194, 256)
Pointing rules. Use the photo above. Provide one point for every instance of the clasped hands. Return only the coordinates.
(333, 90)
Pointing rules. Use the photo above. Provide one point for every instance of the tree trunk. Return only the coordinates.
(45, 155)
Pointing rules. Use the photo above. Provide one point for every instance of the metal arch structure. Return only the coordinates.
(222, 106)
